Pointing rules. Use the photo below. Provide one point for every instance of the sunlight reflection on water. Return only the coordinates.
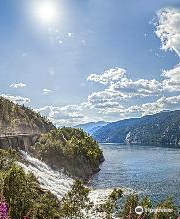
(148, 170)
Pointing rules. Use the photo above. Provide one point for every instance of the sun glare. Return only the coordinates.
(46, 12)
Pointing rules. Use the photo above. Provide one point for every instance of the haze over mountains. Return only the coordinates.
(159, 129)
(92, 127)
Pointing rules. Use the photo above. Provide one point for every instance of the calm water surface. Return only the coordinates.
(149, 170)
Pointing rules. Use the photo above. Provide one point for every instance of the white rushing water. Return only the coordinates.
(59, 184)
(56, 182)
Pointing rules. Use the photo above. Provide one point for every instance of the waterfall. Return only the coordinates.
(56, 182)
(59, 184)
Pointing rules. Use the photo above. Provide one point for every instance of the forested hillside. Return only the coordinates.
(159, 129)
(71, 149)
(68, 148)
(16, 118)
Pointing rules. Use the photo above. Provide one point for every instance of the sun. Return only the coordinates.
(46, 12)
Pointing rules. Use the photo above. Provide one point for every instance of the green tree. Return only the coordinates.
(110, 206)
(146, 204)
(70, 148)
(76, 203)
(167, 204)
(1, 183)
(46, 207)
(130, 204)
(19, 192)
(7, 159)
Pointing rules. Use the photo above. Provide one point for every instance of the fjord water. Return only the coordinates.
(153, 171)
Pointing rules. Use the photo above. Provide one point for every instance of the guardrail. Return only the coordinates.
(4, 135)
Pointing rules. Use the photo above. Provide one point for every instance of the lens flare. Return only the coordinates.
(46, 12)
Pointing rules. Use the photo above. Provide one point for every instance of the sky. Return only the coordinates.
(77, 61)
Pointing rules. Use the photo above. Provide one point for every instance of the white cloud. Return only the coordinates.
(108, 105)
(109, 76)
(168, 29)
(104, 96)
(157, 106)
(19, 85)
(171, 85)
(69, 115)
(110, 108)
(172, 81)
(111, 102)
(47, 91)
(120, 88)
(163, 103)
(173, 74)
(17, 99)
(139, 87)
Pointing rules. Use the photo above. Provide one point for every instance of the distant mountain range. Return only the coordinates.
(91, 127)
(159, 129)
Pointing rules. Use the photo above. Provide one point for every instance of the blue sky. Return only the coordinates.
(92, 60)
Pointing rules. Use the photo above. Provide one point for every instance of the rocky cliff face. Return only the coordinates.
(158, 129)
(76, 168)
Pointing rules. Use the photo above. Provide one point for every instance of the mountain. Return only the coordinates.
(67, 148)
(16, 118)
(159, 129)
(92, 127)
